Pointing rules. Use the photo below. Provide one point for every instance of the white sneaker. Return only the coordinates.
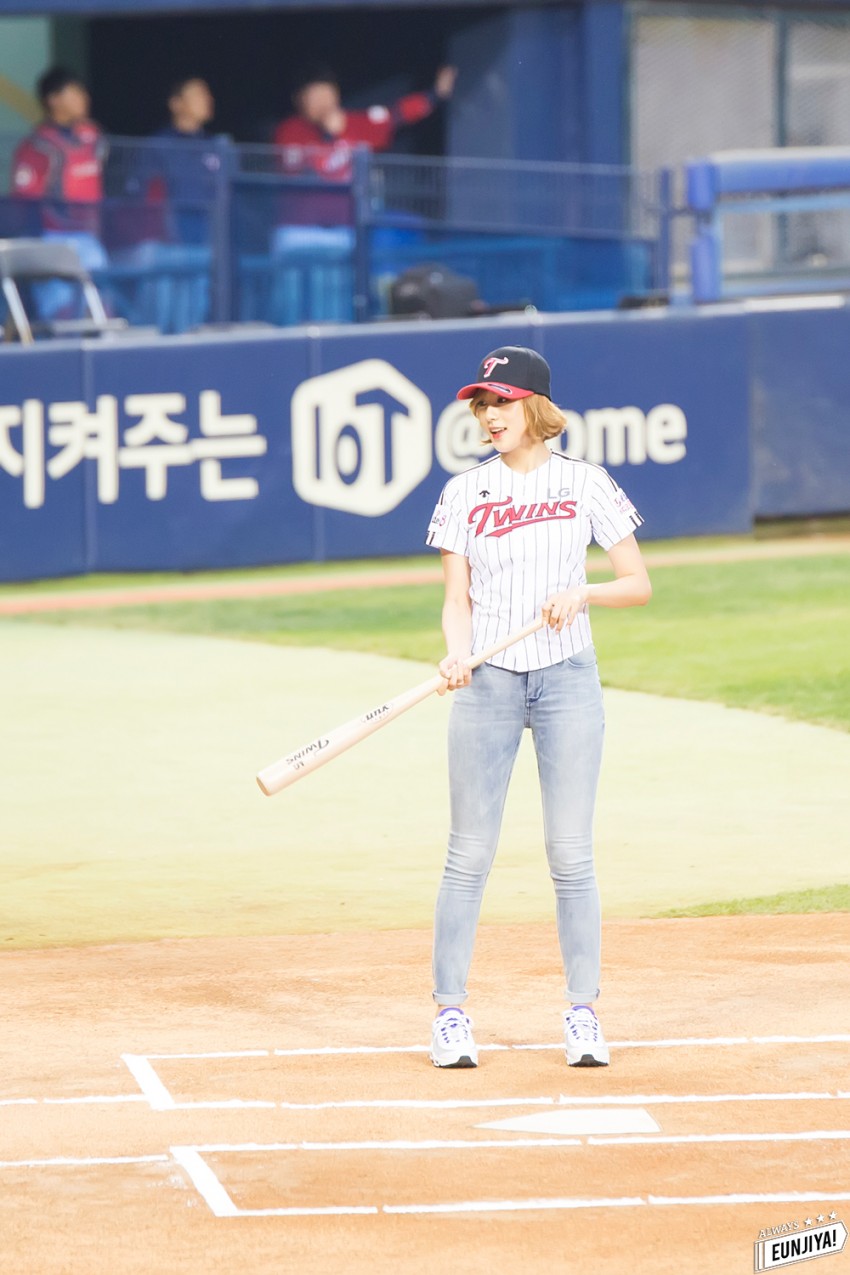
(451, 1040)
(585, 1043)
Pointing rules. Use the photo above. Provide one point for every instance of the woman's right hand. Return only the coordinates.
(455, 670)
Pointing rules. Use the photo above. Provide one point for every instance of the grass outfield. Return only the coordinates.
(767, 635)
(834, 898)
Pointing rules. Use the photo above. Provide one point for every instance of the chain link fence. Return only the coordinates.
(734, 78)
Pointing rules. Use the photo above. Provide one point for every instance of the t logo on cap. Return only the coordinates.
(525, 373)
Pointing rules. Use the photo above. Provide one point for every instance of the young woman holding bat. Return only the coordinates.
(513, 534)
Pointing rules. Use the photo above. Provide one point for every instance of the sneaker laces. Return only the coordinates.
(582, 1024)
(453, 1028)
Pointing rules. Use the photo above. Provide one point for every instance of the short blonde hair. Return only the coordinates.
(542, 418)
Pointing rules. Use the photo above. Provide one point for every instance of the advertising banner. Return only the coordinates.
(191, 453)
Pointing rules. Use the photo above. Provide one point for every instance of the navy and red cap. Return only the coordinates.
(512, 371)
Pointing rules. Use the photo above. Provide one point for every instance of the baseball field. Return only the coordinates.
(217, 1005)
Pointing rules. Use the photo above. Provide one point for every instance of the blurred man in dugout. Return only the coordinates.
(59, 167)
(166, 218)
(321, 135)
(320, 138)
(183, 169)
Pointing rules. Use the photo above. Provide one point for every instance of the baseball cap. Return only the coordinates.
(512, 371)
(314, 73)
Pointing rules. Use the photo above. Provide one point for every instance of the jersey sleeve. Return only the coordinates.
(413, 108)
(377, 126)
(30, 167)
(447, 529)
(612, 514)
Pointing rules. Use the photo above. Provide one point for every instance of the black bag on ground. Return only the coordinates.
(433, 292)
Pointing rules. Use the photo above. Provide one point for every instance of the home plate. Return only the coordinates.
(581, 1120)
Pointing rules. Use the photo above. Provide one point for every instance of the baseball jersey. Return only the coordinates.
(63, 166)
(526, 537)
(308, 147)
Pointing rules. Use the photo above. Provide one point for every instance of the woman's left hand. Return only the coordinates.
(562, 608)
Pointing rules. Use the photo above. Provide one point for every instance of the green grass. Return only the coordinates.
(357, 566)
(128, 580)
(768, 635)
(835, 898)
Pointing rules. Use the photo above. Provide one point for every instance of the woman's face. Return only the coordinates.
(503, 420)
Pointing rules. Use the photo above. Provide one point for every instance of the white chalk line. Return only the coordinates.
(227, 1053)
(225, 1104)
(464, 1144)
(518, 1206)
(221, 1204)
(70, 1161)
(676, 1139)
(85, 1100)
(415, 1104)
(445, 1104)
(699, 1201)
(685, 1042)
(637, 1100)
(205, 1181)
(159, 1097)
(153, 1090)
(446, 1144)
(644, 1100)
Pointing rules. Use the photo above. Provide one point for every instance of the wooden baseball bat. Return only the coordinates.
(294, 766)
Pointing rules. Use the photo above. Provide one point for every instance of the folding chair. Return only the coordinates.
(25, 261)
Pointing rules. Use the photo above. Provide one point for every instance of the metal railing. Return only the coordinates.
(209, 231)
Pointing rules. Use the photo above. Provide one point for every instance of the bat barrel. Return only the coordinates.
(280, 774)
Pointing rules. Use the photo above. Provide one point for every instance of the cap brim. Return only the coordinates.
(504, 391)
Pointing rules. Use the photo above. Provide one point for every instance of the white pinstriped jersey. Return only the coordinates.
(526, 537)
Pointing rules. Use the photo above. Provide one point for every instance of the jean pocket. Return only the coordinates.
(584, 658)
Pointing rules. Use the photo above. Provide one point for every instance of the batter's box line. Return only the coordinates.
(682, 1042)
(221, 1204)
(159, 1098)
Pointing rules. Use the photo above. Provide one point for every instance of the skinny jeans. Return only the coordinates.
(562, 707)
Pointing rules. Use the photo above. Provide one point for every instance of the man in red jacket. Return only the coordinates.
(322, 134)
(61, 161)
(59, 168)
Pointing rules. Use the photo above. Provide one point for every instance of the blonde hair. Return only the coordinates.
(542, 418)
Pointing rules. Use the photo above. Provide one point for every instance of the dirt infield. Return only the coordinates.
(30, 603)
(266, 1105)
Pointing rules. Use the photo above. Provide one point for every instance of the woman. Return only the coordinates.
(513, 534)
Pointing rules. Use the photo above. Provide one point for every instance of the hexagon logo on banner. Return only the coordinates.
(361, 438)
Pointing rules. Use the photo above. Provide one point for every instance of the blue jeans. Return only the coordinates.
(562, 705)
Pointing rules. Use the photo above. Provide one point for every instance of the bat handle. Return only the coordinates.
(483, 656)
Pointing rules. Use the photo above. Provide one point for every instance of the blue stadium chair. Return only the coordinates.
(307, 277)
(166, 285)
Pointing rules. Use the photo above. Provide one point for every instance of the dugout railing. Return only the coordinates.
(210, 232)
(769, 222)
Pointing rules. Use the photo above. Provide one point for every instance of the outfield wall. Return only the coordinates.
(233, 449)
